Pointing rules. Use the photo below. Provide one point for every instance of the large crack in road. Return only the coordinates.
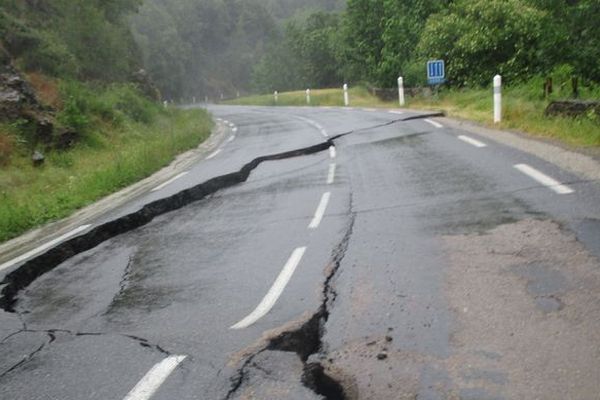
(305, 340)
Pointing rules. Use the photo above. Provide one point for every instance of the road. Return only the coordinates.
(364, 254)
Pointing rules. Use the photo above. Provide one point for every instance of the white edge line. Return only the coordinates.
(274, 292)
(436, 124)
(332, 152)
(396, 112)
(544, 179)
(320, 212)
(331, 174)
(43, 247)
(173, 179)
(214, 154)
(150, 383)
(472, 141)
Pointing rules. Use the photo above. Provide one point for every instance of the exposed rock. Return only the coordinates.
(18, 101)
(37, 158)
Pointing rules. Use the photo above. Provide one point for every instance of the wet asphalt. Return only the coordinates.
(95, 325)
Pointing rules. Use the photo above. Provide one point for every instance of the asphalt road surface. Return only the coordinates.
(371, 255)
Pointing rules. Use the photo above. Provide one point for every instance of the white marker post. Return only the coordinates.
(308, 96)
(346, 99)
(193, 100)
(401, 91)
(497, 99)
(275, 96)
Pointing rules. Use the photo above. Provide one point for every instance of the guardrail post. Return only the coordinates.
(401, 91)
(346, 99)
(497, 99)
(275, 96)
(308, 96)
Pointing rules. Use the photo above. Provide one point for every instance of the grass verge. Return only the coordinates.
(522, 110)
(110, 157)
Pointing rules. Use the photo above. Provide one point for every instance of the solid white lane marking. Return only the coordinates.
(331, 174)
(332, 152)
(231, 139)
(214, 154)
(274, 292)
(472, 141)
(316, 221)
(315, 124)
(173, 179)
(150, 383)
(43, 247)
(544, 179)
(396, 112)
(436, 124)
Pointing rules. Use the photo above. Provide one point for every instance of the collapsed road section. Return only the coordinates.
(304, 339)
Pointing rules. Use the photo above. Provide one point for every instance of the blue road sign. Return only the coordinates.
(436, 72)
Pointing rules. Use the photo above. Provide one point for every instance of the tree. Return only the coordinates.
(481, 38)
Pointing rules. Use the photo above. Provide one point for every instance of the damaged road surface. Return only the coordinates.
(322, 254)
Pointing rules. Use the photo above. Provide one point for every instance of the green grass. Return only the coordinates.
(111, 156)
(522, 109)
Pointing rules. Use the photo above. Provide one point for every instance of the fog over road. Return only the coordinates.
(367, 255)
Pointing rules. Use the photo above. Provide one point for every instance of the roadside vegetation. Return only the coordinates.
(523, 108)
(123, 137)
(78, 119)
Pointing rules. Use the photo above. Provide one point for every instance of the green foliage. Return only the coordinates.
(84, 39)
(86, 105)
(306, 56)
(70, 180)
(485, 37)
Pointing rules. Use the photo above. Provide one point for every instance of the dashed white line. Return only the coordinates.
(231, 139)
(331, 174)
(472, 141)
(214, 154)
(396, 112)
(173, 179)
(43, 247)
(235, 129)
(332, 152)
(436, 124)
(150, 383)
(274, 292)
(544, 179)
(316, 221)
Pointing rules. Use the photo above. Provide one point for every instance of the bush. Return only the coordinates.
(482, 38)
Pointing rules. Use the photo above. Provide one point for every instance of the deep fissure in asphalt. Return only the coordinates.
(38, 266)
(23, 276)
(306, 340)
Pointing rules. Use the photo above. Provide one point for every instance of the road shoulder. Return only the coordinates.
(37, 237)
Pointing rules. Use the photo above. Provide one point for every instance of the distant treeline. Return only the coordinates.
(72, 39)
(193, 48)
(375, 41)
